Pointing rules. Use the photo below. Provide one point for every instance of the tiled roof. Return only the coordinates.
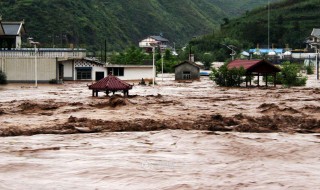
(188, 62)
(110, 83)
(246, 64)
(250, 65)
(159, 38)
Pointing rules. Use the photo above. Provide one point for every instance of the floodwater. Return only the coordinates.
(137, 142)
(169, 159)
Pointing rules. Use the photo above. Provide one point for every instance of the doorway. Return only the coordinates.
(99, 75)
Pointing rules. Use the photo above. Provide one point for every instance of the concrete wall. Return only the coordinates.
(98, 69)
(68, 70)
(194, 71)
(137, 73)
(23, 69)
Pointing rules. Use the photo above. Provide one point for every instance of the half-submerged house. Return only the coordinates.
(256, 68)
(187, 70)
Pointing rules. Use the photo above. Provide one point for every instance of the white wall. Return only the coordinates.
(67, 69)
(98, 69)
(23, 69)
(137, 73)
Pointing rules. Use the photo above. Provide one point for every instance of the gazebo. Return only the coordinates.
(256, 68)
(110, 84)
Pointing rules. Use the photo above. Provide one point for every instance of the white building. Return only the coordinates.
(148, 43)
(81, 69)
(20, 64)
(131, 72)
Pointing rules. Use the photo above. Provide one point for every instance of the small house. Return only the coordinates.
(187, 70)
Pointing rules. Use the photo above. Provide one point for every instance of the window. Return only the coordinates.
(116, 71)
(186, 75)
(84, 73)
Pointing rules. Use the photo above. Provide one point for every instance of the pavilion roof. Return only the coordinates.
(110, 83)
(261, 66)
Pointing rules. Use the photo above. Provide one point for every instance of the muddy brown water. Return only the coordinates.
(159, 158)
(170, 159)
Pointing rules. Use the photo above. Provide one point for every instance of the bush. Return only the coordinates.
(3, 78)
(291, 75)
(228, 77)
(53, 81)
(310, 69)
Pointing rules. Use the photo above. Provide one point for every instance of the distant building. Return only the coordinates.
(150, 41)
(314, 38)
(187, 70)
(10, 34)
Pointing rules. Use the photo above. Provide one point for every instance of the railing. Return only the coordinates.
(44, 52)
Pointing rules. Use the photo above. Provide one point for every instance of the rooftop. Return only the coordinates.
(111, 83)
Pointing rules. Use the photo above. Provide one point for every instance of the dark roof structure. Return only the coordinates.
(110, 83)
(1, 29)
(159, 38)
(188, 62)
(13, 28)
(254, 66)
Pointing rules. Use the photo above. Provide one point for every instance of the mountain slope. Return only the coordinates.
(291, 21)
(120, 22)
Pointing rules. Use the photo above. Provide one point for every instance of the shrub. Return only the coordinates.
(53, 81)
(310, 69)
(228, 77)
(3, 78)
(291, 75)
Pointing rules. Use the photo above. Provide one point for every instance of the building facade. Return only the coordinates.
(187, 70)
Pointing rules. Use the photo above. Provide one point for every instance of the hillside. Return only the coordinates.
(122, 23)
(291, 21)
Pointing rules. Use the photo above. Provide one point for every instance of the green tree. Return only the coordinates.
(207, 59)
(131, 56)
(291, 75)
(228, 77)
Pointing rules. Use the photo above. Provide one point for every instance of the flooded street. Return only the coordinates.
(170, 159)
(172, 136)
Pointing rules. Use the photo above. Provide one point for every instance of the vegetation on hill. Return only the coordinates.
(122, 23)
(291, 22)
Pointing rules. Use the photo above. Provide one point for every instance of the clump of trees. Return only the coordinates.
(3, 78)
(169, 61)
(228, 77)
(290, 75)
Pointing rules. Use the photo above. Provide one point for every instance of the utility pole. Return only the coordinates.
(105, 50)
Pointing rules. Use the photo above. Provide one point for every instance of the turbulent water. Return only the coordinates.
(169, 159)
(165, 159)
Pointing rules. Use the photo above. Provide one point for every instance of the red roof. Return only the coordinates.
(110, 83)
(252, 65)
(246, 64)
